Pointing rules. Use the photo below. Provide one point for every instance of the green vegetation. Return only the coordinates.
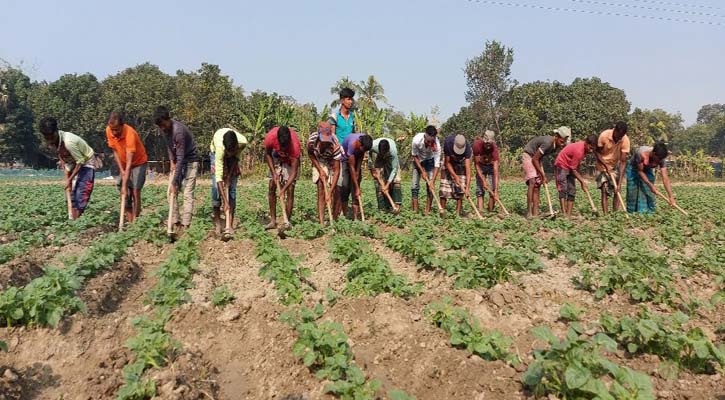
(466, 332)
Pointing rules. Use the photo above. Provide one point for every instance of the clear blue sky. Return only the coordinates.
(416, 49)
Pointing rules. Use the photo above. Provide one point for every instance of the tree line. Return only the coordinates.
(206, 99)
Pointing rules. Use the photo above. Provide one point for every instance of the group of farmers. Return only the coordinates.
(337, 151)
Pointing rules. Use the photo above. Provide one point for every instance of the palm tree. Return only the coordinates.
(342, 83)
(371, 91)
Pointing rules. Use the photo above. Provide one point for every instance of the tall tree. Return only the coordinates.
(73, 100)
(17, 140)
(138, 91)
(371, 92)
(207, 100)
(709, 112)
(649, 126)
(488, 77)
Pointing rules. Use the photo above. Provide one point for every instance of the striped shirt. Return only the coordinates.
(331, 153)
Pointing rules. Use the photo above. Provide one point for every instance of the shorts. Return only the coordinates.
(428, 166)
(565, 184)
(136, 181)
(529, 170)
(283, 170)
(449, 189)
(81, 192)
(487, 172)
(344, 183)
(327, 168)
(604, 178)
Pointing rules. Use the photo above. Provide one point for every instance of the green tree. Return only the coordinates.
(73, 100)
(649, 126)
(17, 139)
(488, 77)
(709, 112)
(371, 92)
(207, 101)
(138, 91)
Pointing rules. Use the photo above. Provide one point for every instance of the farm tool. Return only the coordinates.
(591, 202)
(611, 176)
(69, 203)
(172, 208)
(441, 211)
(328, 201)
(395, 207)
(495, 197)
(673, 205)
(551, 213)
(473, 205)
(283, 206)
(123, 212)
(360, 203)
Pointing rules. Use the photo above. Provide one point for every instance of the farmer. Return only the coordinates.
(325, 154)
(225, 150)
(79, 161)
(282, 153)
(456, 173)
(343, 121)
(426, 152)
(567, 169)
(353, 151)
(612, 153)
(534, 175)
(641, 191)
(130, 155)
(384, 166)
(485, 157)
(184, 164)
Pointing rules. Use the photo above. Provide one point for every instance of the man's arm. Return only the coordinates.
(180, 157)
(668, 185)
(221, 187)
(352, 165)
(495, 177)
(468, 176)
(479, 174)
(71, 174)
(643, 176)
(295, 164)
(126, 173)
(270, 164)
(335, 172)
(536, 160)
(580, 178)
(394, 169)
(451, 171)
(622, 168)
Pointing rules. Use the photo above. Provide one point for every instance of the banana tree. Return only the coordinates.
(255, 127)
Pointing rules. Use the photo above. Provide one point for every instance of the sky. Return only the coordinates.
(416, 49)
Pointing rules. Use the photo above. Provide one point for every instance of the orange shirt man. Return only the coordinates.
(131, 158)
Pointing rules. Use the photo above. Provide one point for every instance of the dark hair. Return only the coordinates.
(117, 116)
(592, 140)
(161, 114)
(366, 141)
(230, 163)
(48, 126)
(431, 130)
(660, 150)
(347, 92)
(621, 126)
(384, 147)
(283, 137)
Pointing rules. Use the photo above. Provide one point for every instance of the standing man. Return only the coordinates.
(130, 155)
(226, 152)
(79, 162)
(456, 174)
(353, 152)
(426, 152)
(343, 121)
(534, 175)
(325, 154)
(641, 190)
(612, 154)
(282, 153)
(567, 169)
(384, 165)
(184, 164)
(485, 157)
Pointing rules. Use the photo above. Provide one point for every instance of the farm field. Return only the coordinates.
(397, 307)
